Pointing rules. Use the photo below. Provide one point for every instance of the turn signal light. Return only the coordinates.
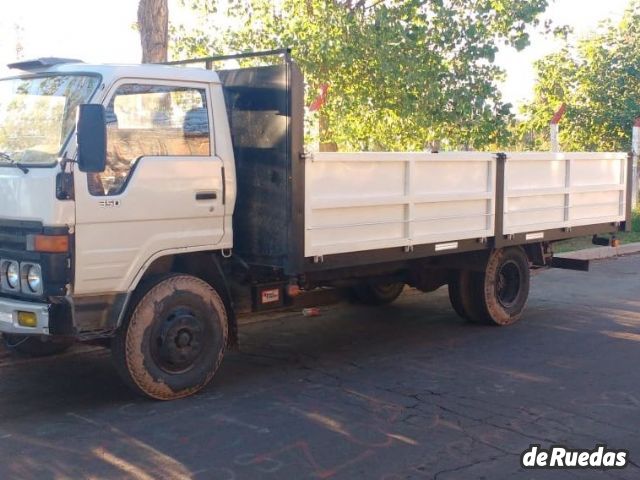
(48, 243)
(293, 291)
(27, 319)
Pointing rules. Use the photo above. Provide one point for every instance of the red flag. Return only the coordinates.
(558, 115)
(321, 99)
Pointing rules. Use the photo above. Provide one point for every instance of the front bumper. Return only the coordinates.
(85, 317)
(9, 317)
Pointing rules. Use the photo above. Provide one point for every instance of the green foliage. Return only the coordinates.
(402, 73)
(599, 80)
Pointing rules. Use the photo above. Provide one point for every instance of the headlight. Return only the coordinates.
(13, 275)
(9, 275)
(34, 278)
(31, 278)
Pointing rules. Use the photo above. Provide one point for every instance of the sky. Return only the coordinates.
(99, 31)
(584, 16)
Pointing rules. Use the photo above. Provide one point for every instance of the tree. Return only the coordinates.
(401, 73)
(599, 80)
(153, 23)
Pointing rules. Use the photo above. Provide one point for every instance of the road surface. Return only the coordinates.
(407, 391)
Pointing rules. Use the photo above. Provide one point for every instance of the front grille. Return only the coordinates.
(13, 234)
(56, 270)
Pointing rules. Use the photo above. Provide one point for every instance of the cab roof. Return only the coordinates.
(110, 72)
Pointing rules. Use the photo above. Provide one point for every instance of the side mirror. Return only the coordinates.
(91, 132)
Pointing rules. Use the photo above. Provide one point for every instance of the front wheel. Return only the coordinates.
(174, 340)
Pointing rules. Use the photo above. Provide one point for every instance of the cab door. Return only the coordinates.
(162, 191)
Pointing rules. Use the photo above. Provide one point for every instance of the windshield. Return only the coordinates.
(37, 115)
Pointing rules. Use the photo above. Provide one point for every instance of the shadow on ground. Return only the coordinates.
(404, 391)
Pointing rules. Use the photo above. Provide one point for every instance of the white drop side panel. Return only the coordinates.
(366, 201)
(562, 190)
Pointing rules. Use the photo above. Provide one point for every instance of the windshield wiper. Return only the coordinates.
(7, 157)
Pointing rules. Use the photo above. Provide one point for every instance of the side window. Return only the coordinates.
(151, 120)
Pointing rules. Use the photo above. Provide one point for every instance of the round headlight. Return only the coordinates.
(13, 275)
(34, 278)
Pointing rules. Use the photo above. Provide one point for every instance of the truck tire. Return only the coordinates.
(36, 346)
(173, 341)
(378, 294)
(500, 293)
(461, 296)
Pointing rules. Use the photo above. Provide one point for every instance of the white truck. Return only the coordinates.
(143, 206)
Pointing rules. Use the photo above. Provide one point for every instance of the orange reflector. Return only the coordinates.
(27, 319)
(293, 291)
(48, 243)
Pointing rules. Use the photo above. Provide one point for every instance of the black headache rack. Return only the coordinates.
(265, 105)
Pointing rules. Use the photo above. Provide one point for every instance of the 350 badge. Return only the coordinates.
(109, 203)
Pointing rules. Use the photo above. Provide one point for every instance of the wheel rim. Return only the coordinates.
(180, 339)
(508, 284)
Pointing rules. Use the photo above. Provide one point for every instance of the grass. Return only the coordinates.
(581, 243)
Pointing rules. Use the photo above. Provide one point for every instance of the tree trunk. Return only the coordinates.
(153, 23)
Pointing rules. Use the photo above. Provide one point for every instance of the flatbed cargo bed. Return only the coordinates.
(304, 213)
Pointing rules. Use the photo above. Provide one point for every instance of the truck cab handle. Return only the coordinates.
(206, 195)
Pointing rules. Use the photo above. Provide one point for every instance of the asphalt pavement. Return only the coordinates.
(407, 391)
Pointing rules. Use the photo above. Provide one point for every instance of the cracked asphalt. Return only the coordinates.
(408, 391)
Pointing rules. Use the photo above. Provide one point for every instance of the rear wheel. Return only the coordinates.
(496, 296)
(36, 346)
(502, 291)
(378, 294)
(174, 340)
(461, 297)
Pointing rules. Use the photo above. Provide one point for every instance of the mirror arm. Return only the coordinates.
(64, 161)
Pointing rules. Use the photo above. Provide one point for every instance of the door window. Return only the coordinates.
(151, 120)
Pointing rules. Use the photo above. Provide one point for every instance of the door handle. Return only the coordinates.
(206, 195)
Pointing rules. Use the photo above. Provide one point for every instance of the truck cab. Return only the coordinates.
(75, 243)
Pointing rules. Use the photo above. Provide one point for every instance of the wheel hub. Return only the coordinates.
(179, 341)
(508, 284)
(183, 339)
